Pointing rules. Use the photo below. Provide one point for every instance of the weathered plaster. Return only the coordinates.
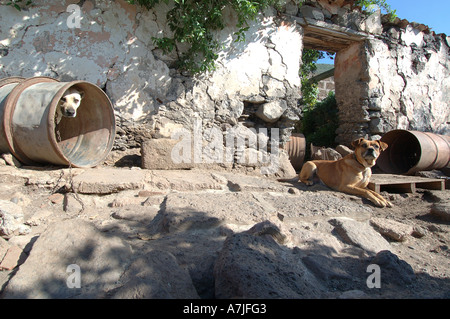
(388, 75)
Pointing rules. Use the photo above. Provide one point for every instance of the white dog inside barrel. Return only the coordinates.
(69, 104)
(62, 123)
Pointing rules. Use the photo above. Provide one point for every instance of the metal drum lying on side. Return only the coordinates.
(6, 86)
(296, 150)
(30, 133)
(412, 151)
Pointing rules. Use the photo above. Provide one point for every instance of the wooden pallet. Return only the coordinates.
(403, 184)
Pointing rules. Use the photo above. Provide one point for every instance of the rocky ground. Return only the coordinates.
(120, 232)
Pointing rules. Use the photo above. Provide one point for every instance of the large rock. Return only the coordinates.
(393, 269)
(392, 229)
(360, 234)
(252, 266)
(101, 261)
(157, 154)
(156, 274)
(272, 111)
(108, 180)
(285, 168)
(190, 212)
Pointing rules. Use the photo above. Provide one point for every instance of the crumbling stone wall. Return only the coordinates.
(398, 80)
(112, 47)
(409, 81)
(256, 83)
(387, 75)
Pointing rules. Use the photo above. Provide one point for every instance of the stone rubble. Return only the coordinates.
(360, 235)
(221, 230)
(11, 217)
(200, 233)
(392, 229)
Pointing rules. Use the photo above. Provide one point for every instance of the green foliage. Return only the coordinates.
(193, 22)
(369, 6)
(320, 119)
(320, 122)
(19, 3)
(309, 89)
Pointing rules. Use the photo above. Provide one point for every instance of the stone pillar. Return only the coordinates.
(351, 82)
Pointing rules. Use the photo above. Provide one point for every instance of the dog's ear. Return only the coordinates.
(383, 145)
(357, 142)
(81, 94)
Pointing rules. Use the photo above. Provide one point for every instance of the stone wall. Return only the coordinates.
(112, 47)
(396, 81)
(325, 87)
(251, 80)
(387, 75)
(409, 81)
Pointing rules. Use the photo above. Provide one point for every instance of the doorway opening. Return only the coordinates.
(329, 44)
(319, 113)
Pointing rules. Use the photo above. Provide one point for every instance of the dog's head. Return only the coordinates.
(367, 152)
(70, 102)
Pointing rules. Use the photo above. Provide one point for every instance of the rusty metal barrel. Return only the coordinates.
(6, 86)
(411, 151)
(28, 129)
(295, 148)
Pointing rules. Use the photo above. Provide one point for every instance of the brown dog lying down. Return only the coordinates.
(350, 174)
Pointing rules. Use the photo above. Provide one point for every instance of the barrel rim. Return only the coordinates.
(11, 80)
(4, 82)
(51, 126)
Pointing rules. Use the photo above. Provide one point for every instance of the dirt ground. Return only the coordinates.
(426, 251)
(429, 255)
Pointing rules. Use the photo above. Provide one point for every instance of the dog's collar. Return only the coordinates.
(356, 159)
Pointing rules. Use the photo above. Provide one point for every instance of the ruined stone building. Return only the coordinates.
(388, 75)
(324, 78)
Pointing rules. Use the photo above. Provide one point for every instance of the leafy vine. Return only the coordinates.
(193, 22)
(19, 4)
(369, 6)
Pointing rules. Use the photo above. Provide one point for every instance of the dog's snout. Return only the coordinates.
(371, 151)
(70, 112)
